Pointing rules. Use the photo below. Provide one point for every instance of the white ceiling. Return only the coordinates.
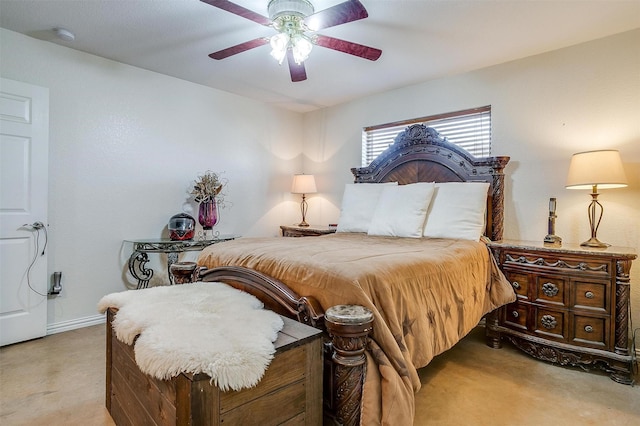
(420, 40)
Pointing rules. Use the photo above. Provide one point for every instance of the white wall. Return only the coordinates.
(544, 109)
(125, 147)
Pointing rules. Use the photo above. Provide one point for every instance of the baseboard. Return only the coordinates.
(74, 324)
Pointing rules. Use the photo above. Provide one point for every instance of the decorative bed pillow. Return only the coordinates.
(401, 210)
(358, 205)
(457, 211)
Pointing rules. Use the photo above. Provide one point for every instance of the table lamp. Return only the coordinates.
(593, 170)
(303, 184)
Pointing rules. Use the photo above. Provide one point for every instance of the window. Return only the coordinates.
(470, 129)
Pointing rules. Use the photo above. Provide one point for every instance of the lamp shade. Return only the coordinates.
(303, 184)
(601, 168)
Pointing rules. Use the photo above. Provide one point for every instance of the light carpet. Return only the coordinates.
(208, 328)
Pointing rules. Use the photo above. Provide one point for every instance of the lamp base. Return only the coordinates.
(553, 239)
(595, 243)
(303, 224)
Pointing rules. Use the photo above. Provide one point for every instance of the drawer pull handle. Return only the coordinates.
(549, 322)
(550, 289)
(588, 329)
(516, 285)
(515, 314)
(589, 295)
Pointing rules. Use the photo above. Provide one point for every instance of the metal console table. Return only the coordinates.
(141, 248)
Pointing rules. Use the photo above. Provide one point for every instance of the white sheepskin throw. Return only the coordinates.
(209, 328)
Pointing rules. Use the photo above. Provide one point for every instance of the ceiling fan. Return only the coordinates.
(296, 23)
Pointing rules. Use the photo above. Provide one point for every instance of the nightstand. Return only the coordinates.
(572, 305)
(306, 231)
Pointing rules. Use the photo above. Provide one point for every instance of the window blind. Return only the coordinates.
(470, 129)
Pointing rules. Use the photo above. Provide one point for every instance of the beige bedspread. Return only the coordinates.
(426, 294)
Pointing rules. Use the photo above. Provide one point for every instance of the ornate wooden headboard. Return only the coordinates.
(420, 154)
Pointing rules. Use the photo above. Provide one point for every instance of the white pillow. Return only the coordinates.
(457, 211)
(358, 205)
(401, 210)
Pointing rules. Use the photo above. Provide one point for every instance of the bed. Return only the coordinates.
(370, 374)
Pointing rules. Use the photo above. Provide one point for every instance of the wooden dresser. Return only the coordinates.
(289, 393)
(572, 305)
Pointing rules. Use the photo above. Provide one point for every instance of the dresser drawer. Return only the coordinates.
(558, 262)
(551, 290)
(515, 315)
(590, 331)
(591, 295)
(519, 281)
(551, 323)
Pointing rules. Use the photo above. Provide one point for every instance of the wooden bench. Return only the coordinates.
(290, 393)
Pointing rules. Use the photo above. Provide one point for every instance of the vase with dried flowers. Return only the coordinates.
(207, 190)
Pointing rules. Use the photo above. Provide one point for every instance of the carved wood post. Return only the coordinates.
(497, 202)
(183, 272)
(623, 268)
(492, 334)
(349, 327)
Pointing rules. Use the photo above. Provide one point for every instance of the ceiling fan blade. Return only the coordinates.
(239, 48)
(236, 9)
(298, 72)
(349, 47)
(342, 13)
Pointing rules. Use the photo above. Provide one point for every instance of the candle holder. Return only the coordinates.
(551, 237)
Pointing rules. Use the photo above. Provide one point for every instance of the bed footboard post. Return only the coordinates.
(184, 272)
(492, 335)
(349, 327)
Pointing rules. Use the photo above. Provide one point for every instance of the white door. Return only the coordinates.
(24, 156)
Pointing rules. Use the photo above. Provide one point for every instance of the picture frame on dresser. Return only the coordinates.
(572, 307)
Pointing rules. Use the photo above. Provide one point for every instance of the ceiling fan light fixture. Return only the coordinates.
(290, 27)
(279, 45)
(301, 47)
(296, 23)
